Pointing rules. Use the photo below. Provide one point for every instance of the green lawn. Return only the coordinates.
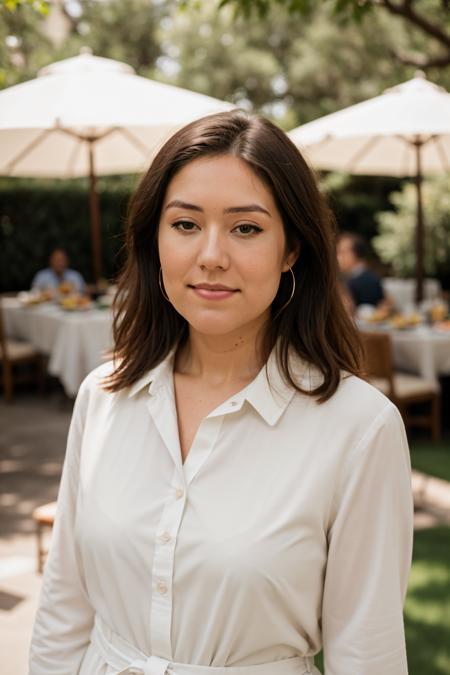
(431, 458)
(427, 610)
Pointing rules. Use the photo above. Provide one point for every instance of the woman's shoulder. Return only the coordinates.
(96, 383)
(351, 388)
(363, 407)
(355, 402)
(95, 380)
(354, 388)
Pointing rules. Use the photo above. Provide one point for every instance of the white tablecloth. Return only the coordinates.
(75, 342)
(423, 350)
(403, 291)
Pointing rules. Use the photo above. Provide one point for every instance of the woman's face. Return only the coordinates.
(221, 245)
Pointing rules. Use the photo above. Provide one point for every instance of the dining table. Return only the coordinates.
(75, 341)
(403, 291)
(422, 350)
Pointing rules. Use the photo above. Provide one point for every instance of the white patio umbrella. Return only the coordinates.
(403, 132)
(90, 116)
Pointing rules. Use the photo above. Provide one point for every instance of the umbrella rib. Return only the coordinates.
(33, 144)
(125, 132)
(93, 139)
(352, 163)
(419, 142)
(135, 141)
(441, 152)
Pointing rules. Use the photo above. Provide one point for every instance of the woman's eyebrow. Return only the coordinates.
(248, 208)
(178, 204)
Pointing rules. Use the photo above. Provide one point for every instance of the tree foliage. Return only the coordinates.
(430, 18)
(41, 6)
(293, 67)
(293, 71)
(395, 243)
(126, 31)
(298, 62)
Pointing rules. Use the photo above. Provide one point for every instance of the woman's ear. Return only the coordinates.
(292, 258)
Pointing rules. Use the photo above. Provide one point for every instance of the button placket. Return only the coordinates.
(163, 564)
(204, 443)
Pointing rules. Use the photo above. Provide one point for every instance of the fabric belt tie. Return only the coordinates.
(127, 659)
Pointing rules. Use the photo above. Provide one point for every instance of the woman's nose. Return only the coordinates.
(213, 252)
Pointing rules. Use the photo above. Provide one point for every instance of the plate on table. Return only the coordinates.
(406, 321)
(75, 303)
(32, 298)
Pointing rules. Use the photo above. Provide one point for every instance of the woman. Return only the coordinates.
(234, 496)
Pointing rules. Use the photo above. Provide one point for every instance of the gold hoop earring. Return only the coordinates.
(292, 292)
(161, 287)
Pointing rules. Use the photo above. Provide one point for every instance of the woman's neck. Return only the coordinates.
(221, 360)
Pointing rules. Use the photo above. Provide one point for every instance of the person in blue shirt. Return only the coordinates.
(363, 284)
(58, 273)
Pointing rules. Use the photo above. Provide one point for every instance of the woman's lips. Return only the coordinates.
(213, 292)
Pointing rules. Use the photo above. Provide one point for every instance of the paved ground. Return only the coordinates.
(32, 443)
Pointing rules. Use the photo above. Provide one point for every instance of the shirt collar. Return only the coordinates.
(269, 394)
(155, 378)
(357, 270)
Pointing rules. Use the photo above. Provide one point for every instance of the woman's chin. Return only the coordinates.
(218, 325)
(214, 328)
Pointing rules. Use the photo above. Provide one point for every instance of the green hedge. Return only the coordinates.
(36, 216)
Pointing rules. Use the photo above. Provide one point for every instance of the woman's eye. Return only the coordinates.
(247, 228)
(184, 225)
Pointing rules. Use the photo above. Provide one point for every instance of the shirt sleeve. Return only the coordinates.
(369, 555)
(78, 281)
(64, 617)
(38, 283)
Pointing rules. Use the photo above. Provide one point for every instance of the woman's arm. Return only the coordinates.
(369, 556)
(64, 617)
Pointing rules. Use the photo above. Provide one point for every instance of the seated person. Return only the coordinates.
(363, 284)
(57, 274)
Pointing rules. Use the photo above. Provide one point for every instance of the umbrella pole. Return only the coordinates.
(95, 216)
(420, 226)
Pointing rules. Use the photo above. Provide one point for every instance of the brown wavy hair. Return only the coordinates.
(314, 324)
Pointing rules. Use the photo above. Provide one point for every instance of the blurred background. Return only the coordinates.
(293, 61)
(292, 66)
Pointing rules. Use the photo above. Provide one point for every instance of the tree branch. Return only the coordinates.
(420, 60)
(406, 10)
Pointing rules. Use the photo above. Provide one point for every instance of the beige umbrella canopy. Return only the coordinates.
(403, 132)
(90, 116)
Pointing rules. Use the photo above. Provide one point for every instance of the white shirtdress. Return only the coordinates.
(288, 528)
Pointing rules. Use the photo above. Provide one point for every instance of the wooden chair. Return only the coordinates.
(14, 354)
(44, 517)
(403, 389)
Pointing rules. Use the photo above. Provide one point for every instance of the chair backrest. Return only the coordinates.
(378, 358)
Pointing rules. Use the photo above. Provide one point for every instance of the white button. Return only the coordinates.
(162, 588)
(179, 492)
(165, 537)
